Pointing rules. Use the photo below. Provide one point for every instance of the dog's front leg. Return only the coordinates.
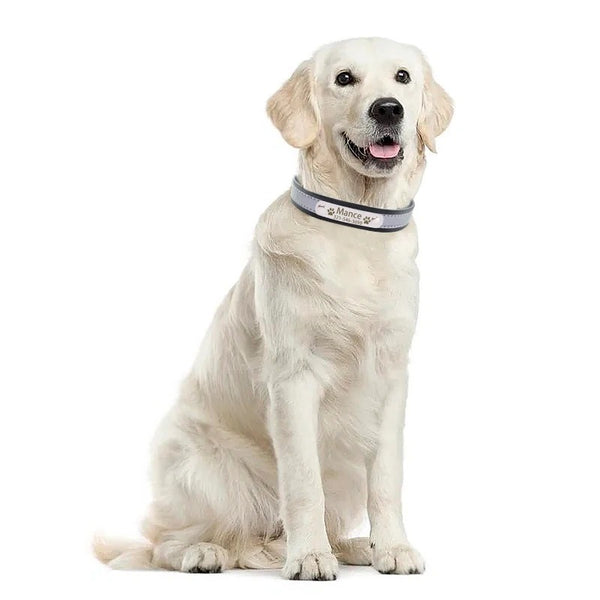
(293, 416)
(391, 550)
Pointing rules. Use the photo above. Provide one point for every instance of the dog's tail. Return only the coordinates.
(123, 554)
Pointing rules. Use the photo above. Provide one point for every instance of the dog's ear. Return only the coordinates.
(293, 109)
(436, 109)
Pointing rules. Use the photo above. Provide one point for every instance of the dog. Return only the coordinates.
(290, 423)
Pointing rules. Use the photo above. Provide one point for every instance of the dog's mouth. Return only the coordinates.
(384, 152)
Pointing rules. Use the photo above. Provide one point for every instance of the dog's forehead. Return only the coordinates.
(366, 53)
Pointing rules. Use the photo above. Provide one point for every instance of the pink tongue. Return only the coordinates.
(387, 151)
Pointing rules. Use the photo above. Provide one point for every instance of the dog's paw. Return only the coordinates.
(318, 566)
(204, 558)
(400, 560)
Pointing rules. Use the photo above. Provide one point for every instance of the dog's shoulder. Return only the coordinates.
(282, 229)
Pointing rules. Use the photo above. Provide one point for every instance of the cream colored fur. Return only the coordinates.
(290, 423)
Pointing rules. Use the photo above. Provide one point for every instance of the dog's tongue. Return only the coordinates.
(384, 151)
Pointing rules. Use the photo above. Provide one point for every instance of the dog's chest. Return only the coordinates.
(368, 273)
(368, 304)
(361, 331)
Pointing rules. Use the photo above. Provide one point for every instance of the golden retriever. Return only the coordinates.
(290, 423)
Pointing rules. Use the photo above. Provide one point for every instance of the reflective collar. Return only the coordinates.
(347, 213)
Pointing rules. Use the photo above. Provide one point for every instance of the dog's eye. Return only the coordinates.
(402, 76)
(345, 78)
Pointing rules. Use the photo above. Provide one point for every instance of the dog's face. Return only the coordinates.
(369, 100)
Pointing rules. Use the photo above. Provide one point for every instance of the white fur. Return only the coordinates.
(290, 423)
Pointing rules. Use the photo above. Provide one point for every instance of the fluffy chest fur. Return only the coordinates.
(345, 305)
(370, 291)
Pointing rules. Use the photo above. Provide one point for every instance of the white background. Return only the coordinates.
(125, 127)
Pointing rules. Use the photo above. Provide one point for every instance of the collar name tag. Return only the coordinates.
(347, 213)
(350, 216)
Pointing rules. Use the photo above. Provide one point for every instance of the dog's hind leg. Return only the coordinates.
(213, 509)
(182, 551)
(201, 557)
(190, 549)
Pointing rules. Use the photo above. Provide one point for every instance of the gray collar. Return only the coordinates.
(347, 213)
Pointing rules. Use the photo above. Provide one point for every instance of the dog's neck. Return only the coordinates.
(320, 173)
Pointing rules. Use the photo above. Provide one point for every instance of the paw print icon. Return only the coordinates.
(330, 212)
(367, 220)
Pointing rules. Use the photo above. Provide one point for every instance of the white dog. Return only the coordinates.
(290, 423)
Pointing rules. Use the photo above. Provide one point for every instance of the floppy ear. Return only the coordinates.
(293, 108)
(436, 110)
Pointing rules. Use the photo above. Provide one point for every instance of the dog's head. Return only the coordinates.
(368, 101)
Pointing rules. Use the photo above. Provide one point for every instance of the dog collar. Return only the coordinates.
(347, 213)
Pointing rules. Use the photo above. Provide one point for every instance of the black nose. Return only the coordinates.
(386, 111)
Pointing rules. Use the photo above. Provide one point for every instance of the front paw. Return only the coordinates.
(318, 566)
(400, 560)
